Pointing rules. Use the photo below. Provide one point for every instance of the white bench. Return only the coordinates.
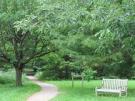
(113, 86)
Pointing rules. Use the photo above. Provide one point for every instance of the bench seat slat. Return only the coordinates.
(108, 90)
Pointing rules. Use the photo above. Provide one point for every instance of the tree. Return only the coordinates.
(20, 38)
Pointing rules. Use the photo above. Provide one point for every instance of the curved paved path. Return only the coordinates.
(47, 92)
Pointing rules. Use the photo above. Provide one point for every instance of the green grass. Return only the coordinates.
(67, 93)
(8, 91)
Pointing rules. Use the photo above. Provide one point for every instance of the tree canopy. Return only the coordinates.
(74, 36)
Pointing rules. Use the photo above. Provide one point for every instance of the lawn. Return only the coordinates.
(87, 93)
(8, 91)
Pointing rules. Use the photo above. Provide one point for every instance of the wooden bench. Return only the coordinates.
(113, 86)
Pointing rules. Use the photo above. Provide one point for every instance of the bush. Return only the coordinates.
(89, 74)
(7, 77)
(46, 75)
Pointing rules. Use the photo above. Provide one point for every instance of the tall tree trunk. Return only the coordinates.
(19, 76)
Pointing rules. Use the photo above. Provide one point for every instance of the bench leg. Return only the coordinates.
(96, 93)
(120, 94)
(126, 93)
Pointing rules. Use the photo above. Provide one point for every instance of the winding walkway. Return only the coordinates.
(48, 91)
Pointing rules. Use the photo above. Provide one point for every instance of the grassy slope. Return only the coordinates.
(67, 93)
(8, 91)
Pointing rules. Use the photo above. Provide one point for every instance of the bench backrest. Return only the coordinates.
(115, 84)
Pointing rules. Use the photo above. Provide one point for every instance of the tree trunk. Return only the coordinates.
(19, 76)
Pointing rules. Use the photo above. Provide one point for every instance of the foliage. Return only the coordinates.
(21, 39)
(96, 34)
(89, 74)
(87, 34)
(5, 77)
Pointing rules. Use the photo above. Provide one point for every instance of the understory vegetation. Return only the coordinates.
(9, 92)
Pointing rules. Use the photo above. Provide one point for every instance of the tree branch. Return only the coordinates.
(38, 54)
(5, 57)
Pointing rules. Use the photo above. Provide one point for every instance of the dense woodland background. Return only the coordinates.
(57, 37)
